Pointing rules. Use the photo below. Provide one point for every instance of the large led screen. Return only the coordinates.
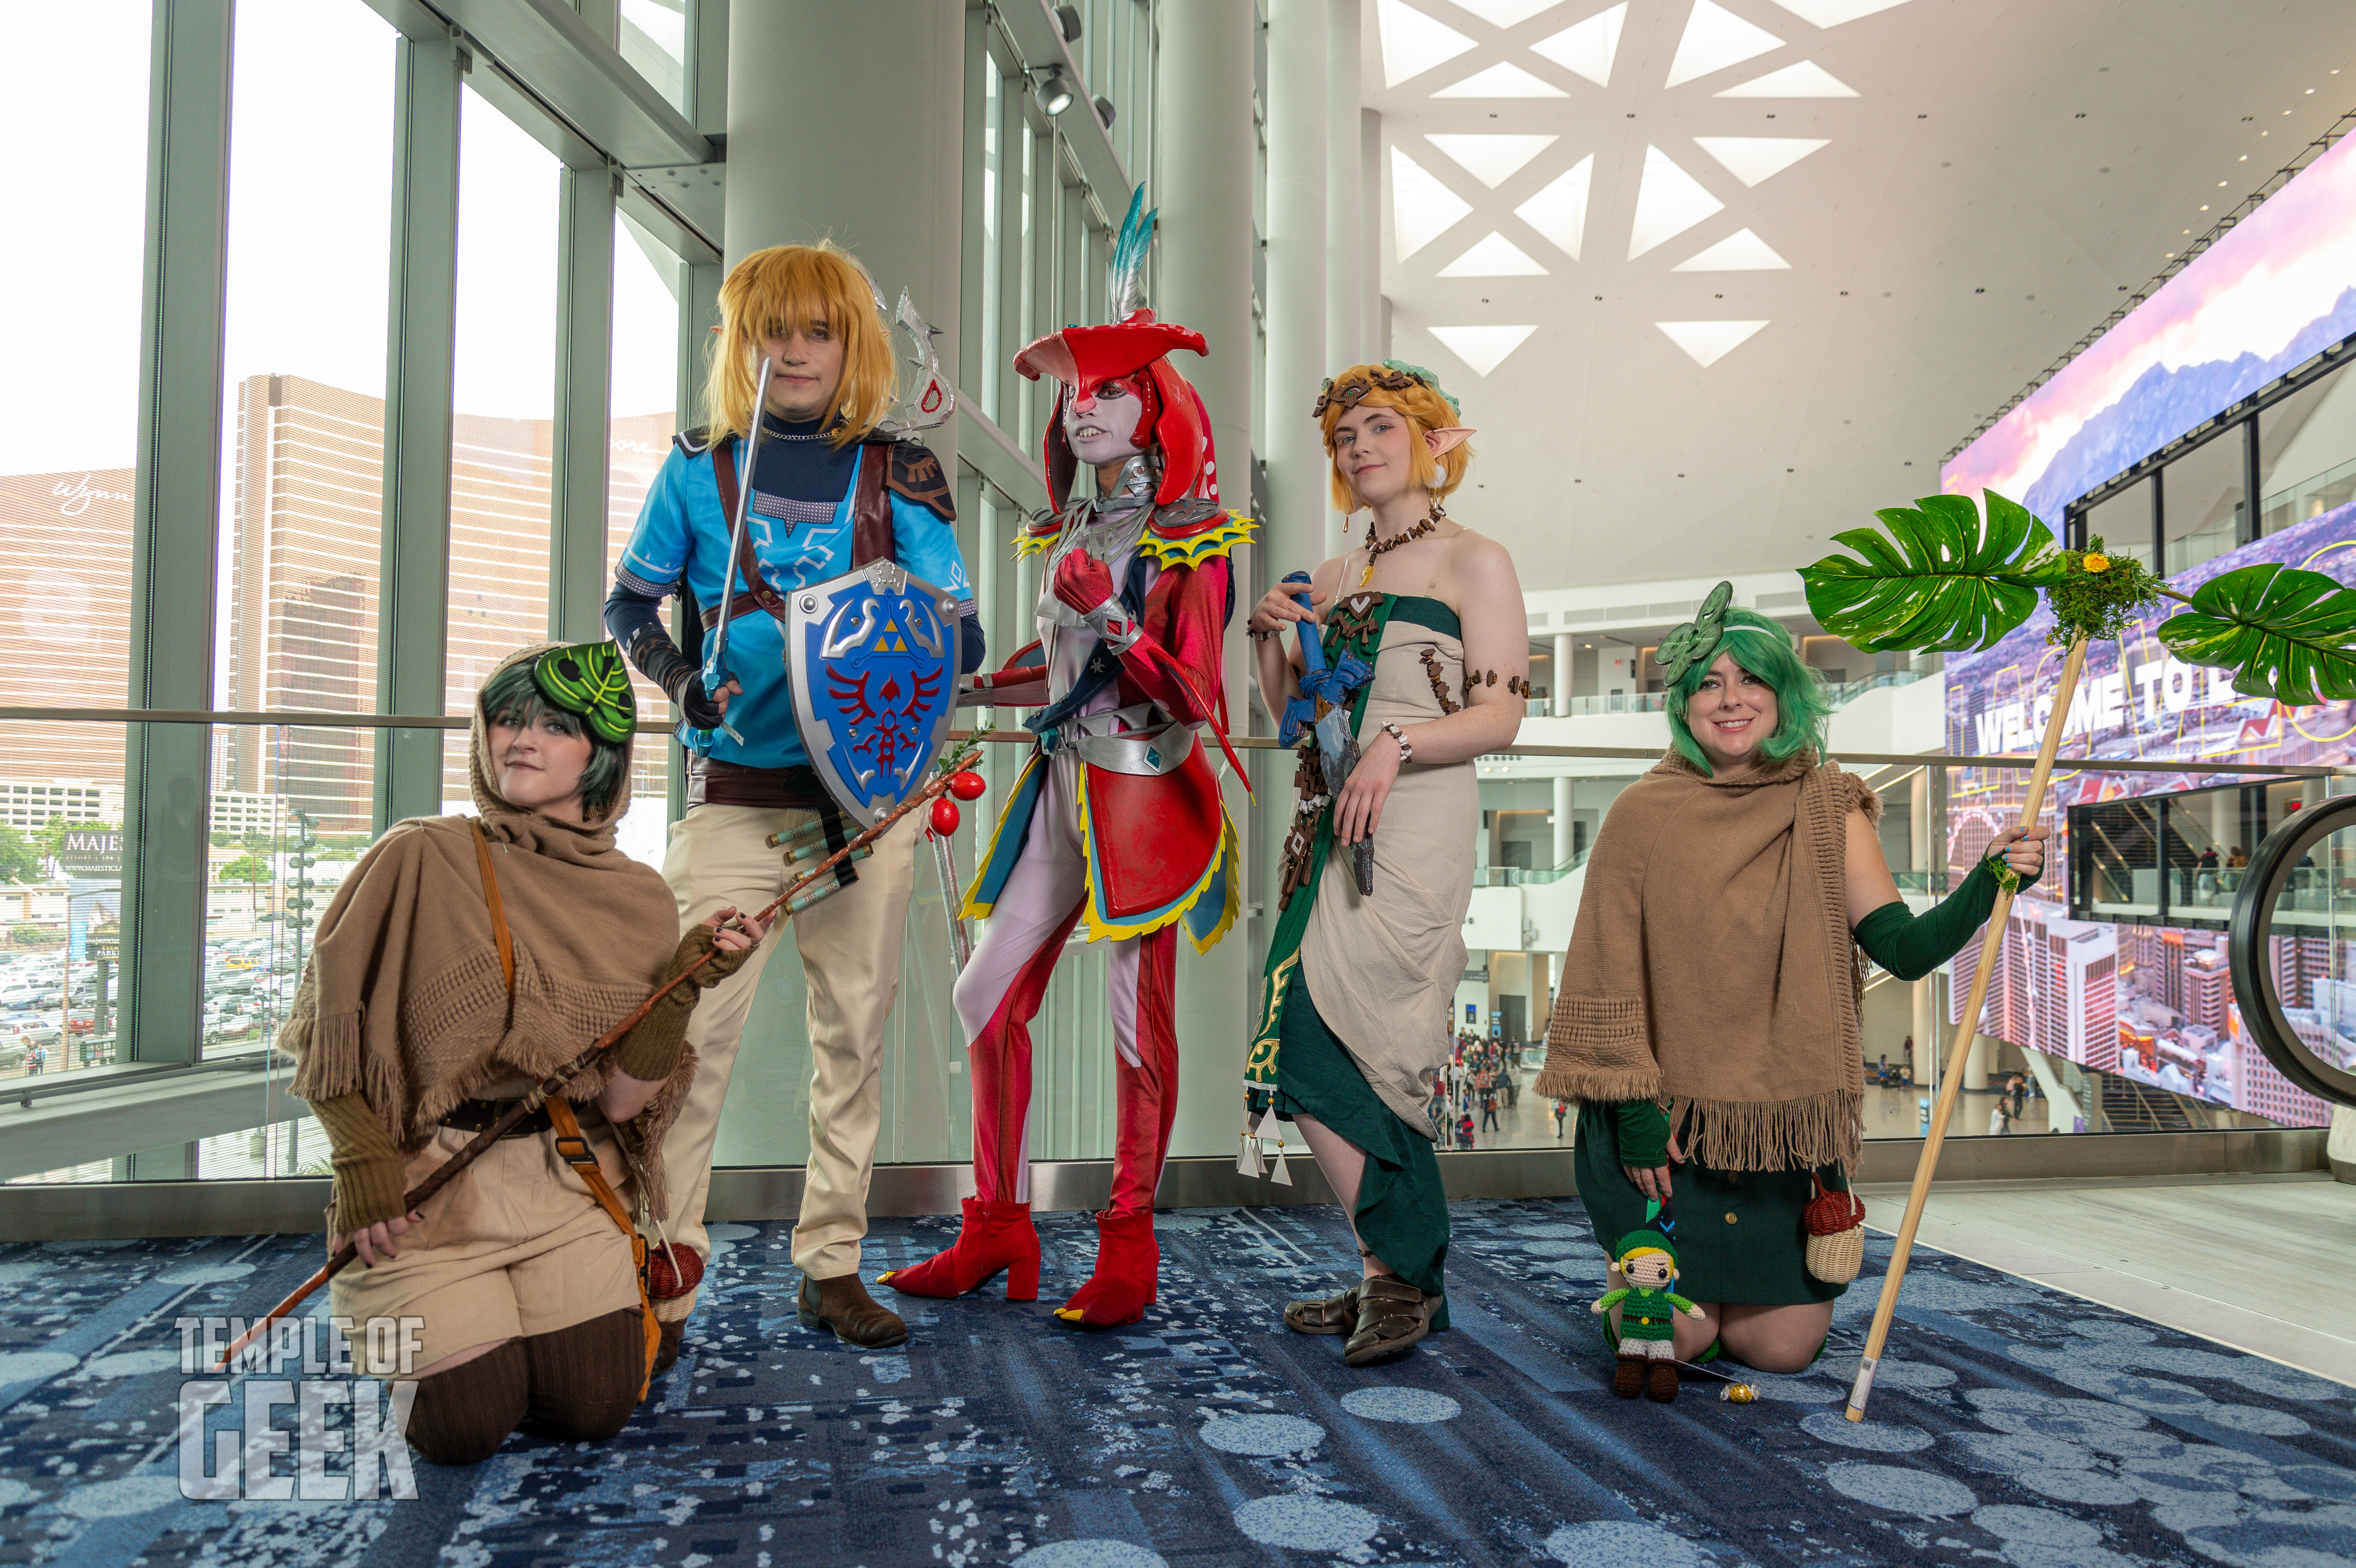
(2269, 296)
(2151, 1003)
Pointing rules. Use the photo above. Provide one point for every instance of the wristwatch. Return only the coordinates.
(1407, 751)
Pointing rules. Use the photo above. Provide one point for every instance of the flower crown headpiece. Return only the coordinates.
(1397, 376)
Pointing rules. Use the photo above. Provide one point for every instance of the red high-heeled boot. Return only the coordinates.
(1128, 1269)
(996, 1238)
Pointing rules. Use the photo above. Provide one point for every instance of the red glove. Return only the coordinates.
(1083, 581)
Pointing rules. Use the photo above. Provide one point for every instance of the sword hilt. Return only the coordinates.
(1312, 651)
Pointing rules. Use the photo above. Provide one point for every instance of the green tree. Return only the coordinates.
(18, 863)
(49, 837)
(246, 869)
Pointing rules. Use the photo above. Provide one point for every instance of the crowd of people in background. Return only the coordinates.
(1480, 1082)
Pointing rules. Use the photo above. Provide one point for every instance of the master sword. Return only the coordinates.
(1324, 707)
(716, 672)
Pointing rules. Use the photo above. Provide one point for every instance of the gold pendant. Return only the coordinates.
(1366, 576)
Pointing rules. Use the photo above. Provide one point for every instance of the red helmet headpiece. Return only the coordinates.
(1083, 357)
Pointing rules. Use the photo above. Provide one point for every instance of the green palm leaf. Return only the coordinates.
(590, 680)
(2284, 632)
(1937, 578)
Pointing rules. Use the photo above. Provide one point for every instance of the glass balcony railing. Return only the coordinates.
(1654, 701)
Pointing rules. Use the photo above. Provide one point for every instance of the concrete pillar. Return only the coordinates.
(1565, 807)
(1925, 1030)
(1918, 824)
(1296, 533)
(1349, 266)
(1559, 678)
(797, 66)
(1980, 1063)
(1205, 150)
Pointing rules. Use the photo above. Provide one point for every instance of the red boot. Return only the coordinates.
(997, 1237)
(1129, 1265)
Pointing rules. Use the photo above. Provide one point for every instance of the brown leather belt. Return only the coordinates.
(474, 1115)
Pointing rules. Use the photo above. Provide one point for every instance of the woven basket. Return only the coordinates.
(1835, 1224)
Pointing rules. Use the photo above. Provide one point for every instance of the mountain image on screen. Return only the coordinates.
(2162, 404)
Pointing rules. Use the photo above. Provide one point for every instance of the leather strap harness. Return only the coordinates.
(870, 526)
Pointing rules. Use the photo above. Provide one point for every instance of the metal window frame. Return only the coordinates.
(550, 70)
(175, 503)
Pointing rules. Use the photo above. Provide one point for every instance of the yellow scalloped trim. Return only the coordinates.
(1028, 544)
(1198, 548)
(973, 908)
(1100, 930)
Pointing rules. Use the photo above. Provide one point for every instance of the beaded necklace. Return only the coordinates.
(1377, 548)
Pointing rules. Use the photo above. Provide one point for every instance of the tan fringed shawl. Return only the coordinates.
(1712, 964)
(404, 999)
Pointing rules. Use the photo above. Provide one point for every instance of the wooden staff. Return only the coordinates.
(1957, 1053)
(555, 1081)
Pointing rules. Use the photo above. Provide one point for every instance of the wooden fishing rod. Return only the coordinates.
(555, 1081)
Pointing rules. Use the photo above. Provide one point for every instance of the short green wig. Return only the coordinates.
(513, 696)
(1767, 651)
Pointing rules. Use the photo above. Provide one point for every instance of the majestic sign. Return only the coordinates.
(871, 657)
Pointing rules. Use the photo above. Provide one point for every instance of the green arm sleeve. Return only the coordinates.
(367, 1168)
(1644, 1135)
(1612, 1298)
(1910, 946)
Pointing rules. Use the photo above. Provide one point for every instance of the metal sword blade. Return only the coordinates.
(716, 672)
(960, 936)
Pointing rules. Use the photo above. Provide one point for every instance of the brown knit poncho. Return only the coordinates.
(1712, 964)
(404, 1000)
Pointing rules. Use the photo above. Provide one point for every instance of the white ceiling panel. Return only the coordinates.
(1987, 181)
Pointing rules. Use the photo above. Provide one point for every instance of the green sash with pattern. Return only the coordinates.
(1353, 626)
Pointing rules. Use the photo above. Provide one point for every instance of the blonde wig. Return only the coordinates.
(1414, 394)
(793, 288)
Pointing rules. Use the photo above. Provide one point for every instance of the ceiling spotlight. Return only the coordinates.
(1054, 94)
(1105, 113)
(1067, 21)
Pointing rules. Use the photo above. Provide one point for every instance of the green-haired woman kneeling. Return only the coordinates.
(464, 959)
(1706, 1019)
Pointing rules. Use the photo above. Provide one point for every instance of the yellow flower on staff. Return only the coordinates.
(2098, 563)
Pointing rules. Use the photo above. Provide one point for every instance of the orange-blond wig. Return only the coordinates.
(1426, 412)
(795, 288)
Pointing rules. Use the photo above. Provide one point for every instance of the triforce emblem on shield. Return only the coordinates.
(871, 657)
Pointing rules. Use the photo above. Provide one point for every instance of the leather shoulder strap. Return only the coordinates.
(491, 897)
(723, 472)
(871, 507)
(574, 1150)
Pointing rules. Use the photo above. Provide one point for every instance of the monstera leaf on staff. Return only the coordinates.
(1940, 576)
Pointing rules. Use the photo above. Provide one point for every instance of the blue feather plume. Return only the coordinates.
(1124, 277)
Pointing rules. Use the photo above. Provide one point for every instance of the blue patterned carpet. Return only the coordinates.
(2010, 1425)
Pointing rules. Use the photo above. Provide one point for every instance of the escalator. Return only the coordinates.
(2293, 949)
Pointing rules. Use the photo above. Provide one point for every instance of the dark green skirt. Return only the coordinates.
(1738, 1235)
(1402, 1213)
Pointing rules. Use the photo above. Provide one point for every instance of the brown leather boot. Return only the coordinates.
(843, 1305)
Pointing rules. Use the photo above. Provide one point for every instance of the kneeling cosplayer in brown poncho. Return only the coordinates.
(464, 959)
(1706, 1019)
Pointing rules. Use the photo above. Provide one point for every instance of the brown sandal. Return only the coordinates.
(1392, 1315)
(1335, 1315)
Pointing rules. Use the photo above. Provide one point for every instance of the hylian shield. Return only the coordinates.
(871, 659)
